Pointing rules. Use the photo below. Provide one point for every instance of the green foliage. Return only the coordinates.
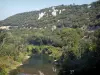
(88, 61)
(73, 42)
(56, 51)
(71, 39)
(70, 16)
(3, 70)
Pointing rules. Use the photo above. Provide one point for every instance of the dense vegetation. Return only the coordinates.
(65, 16)
(74, 43)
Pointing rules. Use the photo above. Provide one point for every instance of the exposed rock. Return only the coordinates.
(60, 12)
(54, 13)
(5, 27)
(53, 28)
(89, 6)
(63, 9)
(41, 15)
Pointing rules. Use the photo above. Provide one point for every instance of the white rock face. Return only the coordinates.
(63, 9)
(35, 28)
(45, 27)
(54, 13)
(53, 28)
(58, 20)
(41, 15)
(5, 27)
(89, 6)
(60, 12)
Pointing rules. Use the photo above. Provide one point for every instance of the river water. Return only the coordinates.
(38, 64)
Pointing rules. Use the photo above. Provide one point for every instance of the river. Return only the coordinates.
(38, 64)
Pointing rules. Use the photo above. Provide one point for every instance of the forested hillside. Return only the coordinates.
(68, 33)
(61, 16)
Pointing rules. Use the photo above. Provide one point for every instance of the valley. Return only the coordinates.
(59, 40)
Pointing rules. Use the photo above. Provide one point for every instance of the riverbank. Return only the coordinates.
(20, 63)
(8, 64)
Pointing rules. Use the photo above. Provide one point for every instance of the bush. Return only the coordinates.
(3, 71)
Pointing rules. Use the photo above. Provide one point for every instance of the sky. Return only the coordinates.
(11, 7)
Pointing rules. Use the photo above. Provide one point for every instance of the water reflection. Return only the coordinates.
(38, 64)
